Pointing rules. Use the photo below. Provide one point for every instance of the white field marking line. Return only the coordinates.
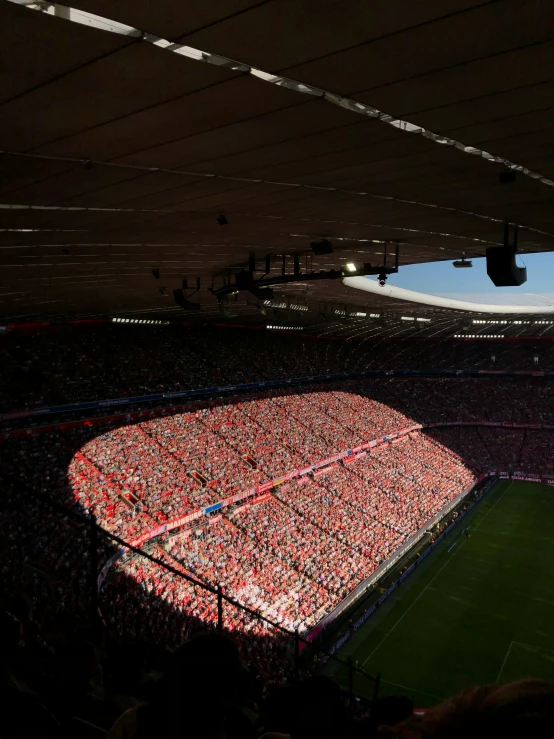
(413, 604)
(533, 646)
(413, 690)
(521, 644)
(434, 578)
(504, 663)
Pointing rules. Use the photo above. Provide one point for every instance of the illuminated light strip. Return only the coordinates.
(95, 21)
(355, 314)
(139, 320)
(381, 241)
(285, 328)
(120, 244)
(400, 293)
(80, 16)
(42, 230)
(285, 306)
(512, 322)
(478, 336)
(77, 209)
(165, 170)
(381, 334)
(374, 225)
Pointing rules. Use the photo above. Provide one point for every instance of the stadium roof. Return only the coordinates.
(126, 136)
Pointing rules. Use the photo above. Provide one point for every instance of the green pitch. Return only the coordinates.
(478, 612)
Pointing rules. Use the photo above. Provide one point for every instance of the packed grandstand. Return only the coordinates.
(287, 502)
(243, 470)
(58, 364)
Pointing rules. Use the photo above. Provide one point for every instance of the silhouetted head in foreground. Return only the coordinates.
(519, 710)
(197, 691)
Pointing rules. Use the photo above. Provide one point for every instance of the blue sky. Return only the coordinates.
(441, 278)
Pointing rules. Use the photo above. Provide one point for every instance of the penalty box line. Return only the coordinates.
(520, 644)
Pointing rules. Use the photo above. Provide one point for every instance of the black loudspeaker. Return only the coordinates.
(179, 296)
(321, 247)
(502, 267)
(180, 299)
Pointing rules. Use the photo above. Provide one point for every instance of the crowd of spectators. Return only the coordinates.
(294, 555)
(225, 553)
(57, 365)
(290, 555)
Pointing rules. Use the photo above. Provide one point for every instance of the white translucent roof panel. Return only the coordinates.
(63, 47)
(169, 18)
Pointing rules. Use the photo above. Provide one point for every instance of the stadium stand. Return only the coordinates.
(64, 364)
(331, 532)
(219, 454)
(291, 554)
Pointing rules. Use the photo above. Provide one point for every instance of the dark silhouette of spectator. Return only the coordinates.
(512, 711)
(23, 712)
(195, 697)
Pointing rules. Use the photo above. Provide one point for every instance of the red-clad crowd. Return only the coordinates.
(224, 553)
(291, 556)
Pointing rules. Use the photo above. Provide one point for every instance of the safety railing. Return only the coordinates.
(115, 599)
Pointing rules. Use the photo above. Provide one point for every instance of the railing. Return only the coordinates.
(266, 486)
(221, 600)
(321, 465)
(303, 654)
(135, 544)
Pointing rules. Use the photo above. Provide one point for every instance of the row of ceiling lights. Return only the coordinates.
(286, 306)
(517, 323)
(139, 320)
(356, 314)
(285, 328)
(478, 336)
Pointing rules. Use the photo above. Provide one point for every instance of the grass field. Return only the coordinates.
(476, 611)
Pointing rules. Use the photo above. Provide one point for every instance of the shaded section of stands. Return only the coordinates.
(71, 364)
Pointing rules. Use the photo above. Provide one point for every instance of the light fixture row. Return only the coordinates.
(285, 306)
(478, 336)
(356, 314)
(285, 328)
(139, 320)
(478, 320)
